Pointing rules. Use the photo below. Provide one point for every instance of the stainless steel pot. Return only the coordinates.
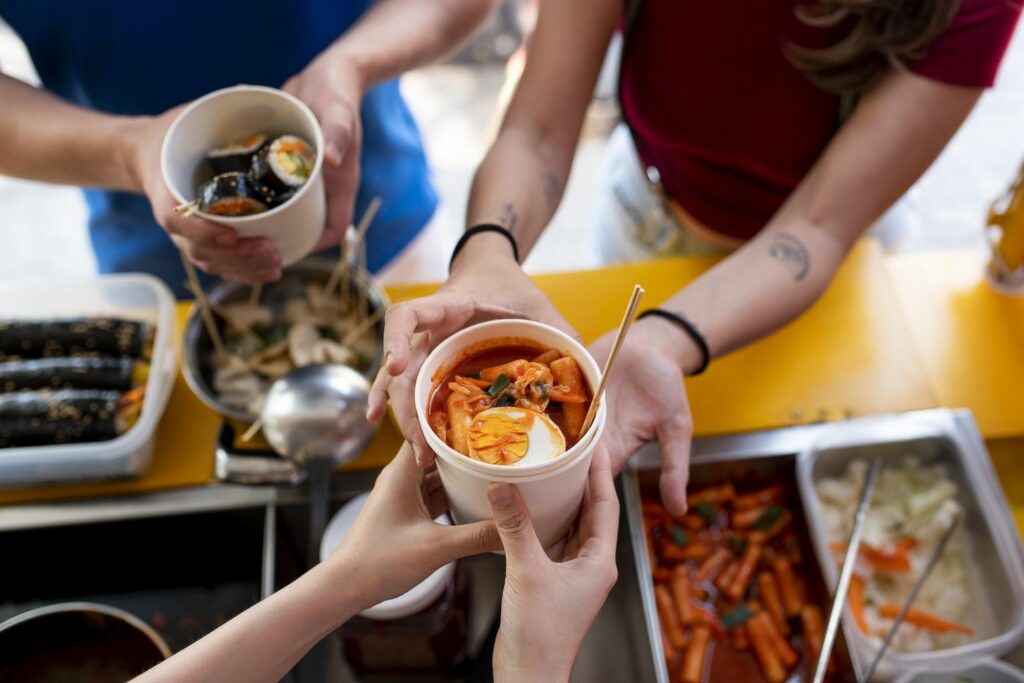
(198, 347)
(78, 641)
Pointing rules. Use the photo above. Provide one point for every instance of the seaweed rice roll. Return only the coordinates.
(283, 166)
(231, 194)
(235, 156)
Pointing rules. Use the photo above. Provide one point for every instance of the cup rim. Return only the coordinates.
(587, 443)
(227, 92)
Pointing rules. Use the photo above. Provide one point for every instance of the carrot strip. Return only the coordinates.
(713, 563)
(763, 537)
(787, 655)
(744, 519)
(694, 551)
(726, 577)
(759, 498)
(739, 584)
(740, 638)
(856, 597)
(692, 521)
(895, 560)
(932, 622)
(814, 630)
(681, 593)
(667, 648)
(693, 660)
(669, 618)
(771, 667)
(768, 589)
(789, 587)
(712, 494)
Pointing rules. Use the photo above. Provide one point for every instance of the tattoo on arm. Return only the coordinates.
(508, 216)
(791, 253)
(551, 184)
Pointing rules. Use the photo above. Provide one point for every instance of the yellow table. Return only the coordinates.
(969, 338)
(849, 355)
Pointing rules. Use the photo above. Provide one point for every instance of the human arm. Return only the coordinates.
(893, 135)
(268, 639)
(392, 37)
(518, 186)
(547, 607)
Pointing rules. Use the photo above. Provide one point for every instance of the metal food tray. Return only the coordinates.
(750, 459)
(996, 560)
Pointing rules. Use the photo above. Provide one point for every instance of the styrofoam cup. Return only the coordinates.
(227, 115)
(553, 489)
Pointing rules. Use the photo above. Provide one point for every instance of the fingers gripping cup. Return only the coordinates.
(209, 138)
(504, 401)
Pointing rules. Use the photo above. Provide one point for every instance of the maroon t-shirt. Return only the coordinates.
(731, 125)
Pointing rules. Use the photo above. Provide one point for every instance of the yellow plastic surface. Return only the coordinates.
(970, 338)
(850, 354)
(853, 353)
(1008, 459)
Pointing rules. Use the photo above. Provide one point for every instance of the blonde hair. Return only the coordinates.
(882, 33)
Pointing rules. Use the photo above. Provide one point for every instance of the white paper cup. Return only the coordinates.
(230, 114)
(553, 489)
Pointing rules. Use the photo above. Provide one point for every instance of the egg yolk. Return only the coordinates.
(498, 439)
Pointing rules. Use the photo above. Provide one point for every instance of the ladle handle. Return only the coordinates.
(320, 473)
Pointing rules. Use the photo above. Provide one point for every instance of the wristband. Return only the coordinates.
(476, 230)
(691, 331)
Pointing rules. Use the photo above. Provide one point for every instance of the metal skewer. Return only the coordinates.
(932, 561)
(846, 574)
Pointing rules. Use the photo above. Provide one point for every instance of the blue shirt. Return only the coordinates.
(144, 57)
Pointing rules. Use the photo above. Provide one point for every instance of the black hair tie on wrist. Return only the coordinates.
(691, 331)
(476, 230)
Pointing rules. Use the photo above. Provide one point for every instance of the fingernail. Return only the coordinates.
(226, 240)
(500, 494)
(387, 360)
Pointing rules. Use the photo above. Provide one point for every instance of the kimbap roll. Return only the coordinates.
(40, 418)
(283, 166)
(235, 156)
(231, 194)
(88, 337)
(116, 374)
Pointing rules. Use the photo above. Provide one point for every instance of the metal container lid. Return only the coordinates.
(418, 598)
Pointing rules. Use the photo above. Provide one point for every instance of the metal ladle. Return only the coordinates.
(316, 416)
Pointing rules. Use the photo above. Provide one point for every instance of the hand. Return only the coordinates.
(485, 284)
(547, 607)
(646, 401)
(395, 542)
(216, 249)
(333, 88)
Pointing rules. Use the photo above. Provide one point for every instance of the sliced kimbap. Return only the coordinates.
(283, 166)
(116, 374)
(235, 156)
(231, 194)
(90, 337)
(39, 418)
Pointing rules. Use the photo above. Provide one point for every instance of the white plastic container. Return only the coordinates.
(417, 598)
(131, 296)
(995, 577)
(991, 671)
(230, 114)
(552, 490)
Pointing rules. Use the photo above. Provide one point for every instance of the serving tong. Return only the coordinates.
(846, 577)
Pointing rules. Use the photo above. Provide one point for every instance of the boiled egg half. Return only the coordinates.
(514, 436)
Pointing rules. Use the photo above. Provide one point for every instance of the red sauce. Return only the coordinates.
(488, 354)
